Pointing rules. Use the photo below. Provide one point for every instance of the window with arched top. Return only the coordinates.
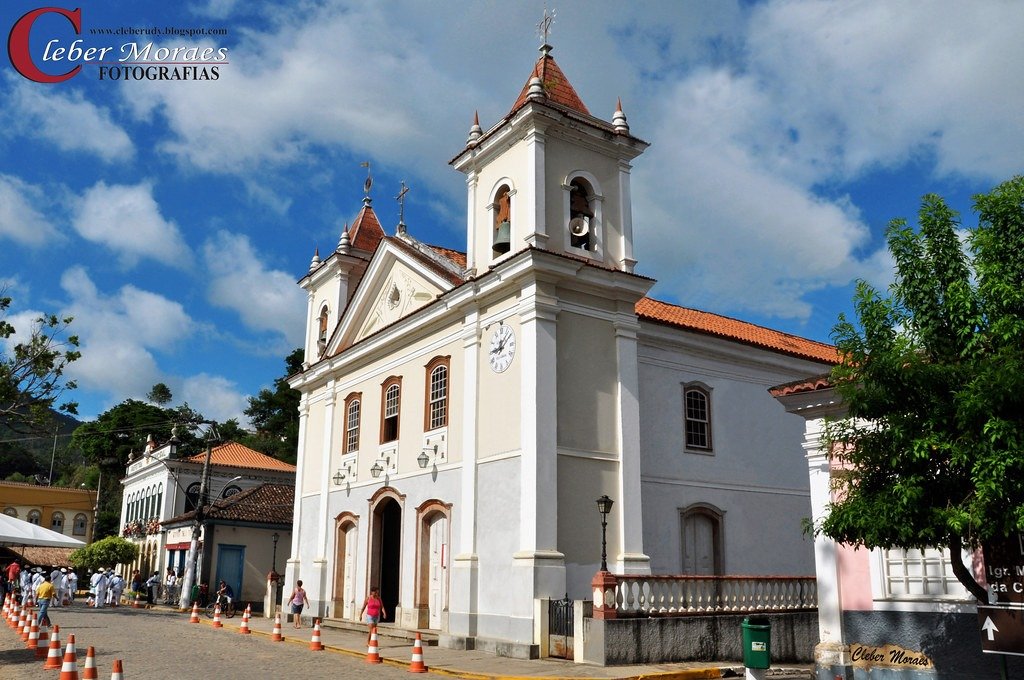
(322, 331)
(501, 237)
(10, 512)
(192, 496)
(436, 408)
(57, 522)
(81, 523)
(34, 517)
(697, 418)
(583, 214)
(391, 402)
(353, 411)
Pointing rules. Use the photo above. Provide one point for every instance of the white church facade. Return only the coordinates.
(461, 412)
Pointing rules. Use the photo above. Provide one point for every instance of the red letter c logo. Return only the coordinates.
(18, 48)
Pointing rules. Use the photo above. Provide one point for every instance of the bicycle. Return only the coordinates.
(227, 610)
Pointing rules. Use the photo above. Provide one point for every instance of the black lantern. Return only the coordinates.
(423, 459)
(273, 566)
(376, 470)
(604, 506)
(338, 478)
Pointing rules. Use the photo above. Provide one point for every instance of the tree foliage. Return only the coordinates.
(32, 377)
(933, 378)
(275, 415)
(160, 394)
(106, 552)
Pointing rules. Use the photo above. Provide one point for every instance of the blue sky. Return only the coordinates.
(172, 218)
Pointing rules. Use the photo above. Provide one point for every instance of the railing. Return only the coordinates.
(631, 596)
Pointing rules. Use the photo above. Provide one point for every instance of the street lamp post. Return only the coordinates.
(604, 506)
(193, 549)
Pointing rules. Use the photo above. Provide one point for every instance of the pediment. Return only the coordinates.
(396, 284)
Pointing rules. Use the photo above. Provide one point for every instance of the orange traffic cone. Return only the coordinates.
(69, 669)
(22, 618)
(7, 605)
(244, 628)
(195, 613)
(216, 617)
(44, 643)
(276, 636)
(118, 673)
(16, 614)
(314, 643)
(33, 636)
(372, 655)
(417, 656)
(89, 670)
(137, 604)
(53, 658)
(26, 627)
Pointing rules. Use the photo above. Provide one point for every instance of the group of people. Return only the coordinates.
(105, 588)
(23, 582)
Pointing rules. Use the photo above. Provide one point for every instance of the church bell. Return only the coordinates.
(502, 237)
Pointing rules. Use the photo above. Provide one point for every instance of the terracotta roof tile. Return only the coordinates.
(38, 557)
(458, 257)
(234, 454)
(366, 232)
(812, 384)
(264, 504)
(657, 311)
(556, 86)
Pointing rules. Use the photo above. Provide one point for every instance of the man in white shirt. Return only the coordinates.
(99, 583)
(72, 581)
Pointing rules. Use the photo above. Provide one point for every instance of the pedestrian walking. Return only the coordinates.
(298, 600)
(374, 608)
(169, 584)
(44, 593)
(13, 574)
(72, 580)
(152, 584)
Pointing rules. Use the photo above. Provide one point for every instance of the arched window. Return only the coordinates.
(581, 214)
(34, 517)
(436, 408)
(10, 512)
(353, 410)
(159, 500)
(57, 522)
(391, 402)
(502, 233)
(80, 525)
(192, 496)
(321, 337)
(697, 417)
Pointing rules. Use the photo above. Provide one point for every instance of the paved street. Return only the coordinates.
(158, 644)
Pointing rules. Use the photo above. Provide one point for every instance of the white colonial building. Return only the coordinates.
(461, 413)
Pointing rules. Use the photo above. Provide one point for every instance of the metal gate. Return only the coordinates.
(560, 628)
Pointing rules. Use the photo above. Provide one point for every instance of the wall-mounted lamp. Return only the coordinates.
(424, 458)
(345, 473)
(376, 470)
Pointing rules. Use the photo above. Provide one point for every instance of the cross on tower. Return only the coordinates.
(401, 206)
(369, 180)
(544, 26)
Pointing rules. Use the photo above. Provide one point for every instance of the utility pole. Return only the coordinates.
(191, 577)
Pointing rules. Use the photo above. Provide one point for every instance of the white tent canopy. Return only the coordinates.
(16, 532)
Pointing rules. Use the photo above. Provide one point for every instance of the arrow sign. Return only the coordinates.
(990, 628)
(1008, 622)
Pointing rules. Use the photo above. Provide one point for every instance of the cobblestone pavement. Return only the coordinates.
(160, 643)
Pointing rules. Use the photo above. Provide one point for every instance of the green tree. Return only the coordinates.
(275, 415)
(106, 552)
(160, 394)
(933, 379)
(32, 377)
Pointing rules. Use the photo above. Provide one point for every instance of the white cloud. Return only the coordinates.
(118, 334)
(66, 119)
(265, 299)
(215, 397)
(20, 219)
(128, 220)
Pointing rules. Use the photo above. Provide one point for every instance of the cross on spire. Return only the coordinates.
(401, 206)
(369, 179)
(544, 26)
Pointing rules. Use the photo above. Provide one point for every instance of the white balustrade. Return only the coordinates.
(679, 595)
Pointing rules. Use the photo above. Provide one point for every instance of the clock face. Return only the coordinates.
(503, 348)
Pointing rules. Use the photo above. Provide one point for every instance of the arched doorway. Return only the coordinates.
(386, 550)
(702, 539)
(346, 546)
(433, 540)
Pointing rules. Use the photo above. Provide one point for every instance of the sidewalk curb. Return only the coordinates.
(712, 673)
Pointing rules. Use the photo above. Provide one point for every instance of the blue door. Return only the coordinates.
(230, 563)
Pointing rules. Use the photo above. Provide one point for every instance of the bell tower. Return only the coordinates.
(550, 175)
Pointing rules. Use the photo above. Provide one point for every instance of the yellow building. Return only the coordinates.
(66, 511)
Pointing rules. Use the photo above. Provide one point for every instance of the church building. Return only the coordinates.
(462, 412)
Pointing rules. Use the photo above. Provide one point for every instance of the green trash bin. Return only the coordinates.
(757, 642)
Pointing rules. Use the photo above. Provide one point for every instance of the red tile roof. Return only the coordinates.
(456, 256)
(556, 86)
(649, 309)
(264, 504)
(234, 454)
(818, 382)
(366, 232)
